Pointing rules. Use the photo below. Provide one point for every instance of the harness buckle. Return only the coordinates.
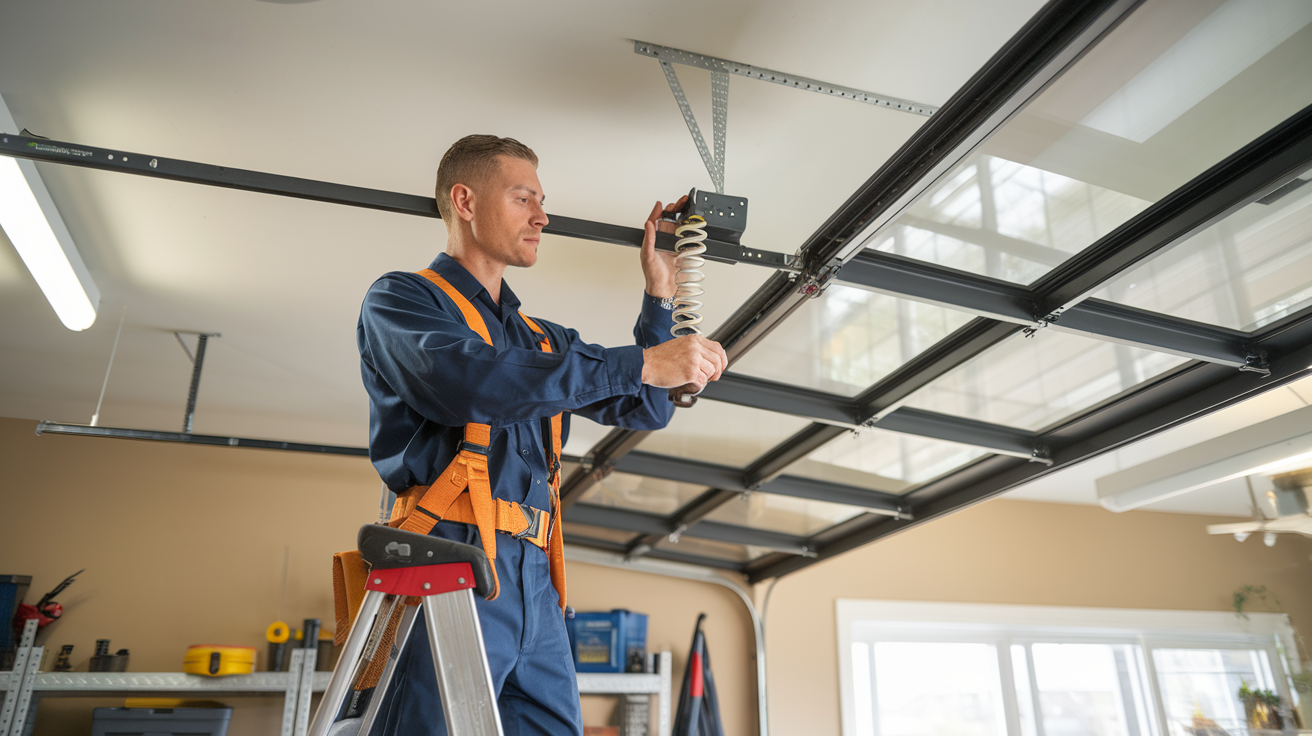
(471, 447)
(533, 520)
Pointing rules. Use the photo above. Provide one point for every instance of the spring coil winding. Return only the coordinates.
(688, 259)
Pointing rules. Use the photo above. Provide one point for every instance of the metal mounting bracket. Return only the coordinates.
(1042, 455)
(1255, 362)
(720, 70)
(713, 64)
(720, 117)
(813, 283)
(1040, 323)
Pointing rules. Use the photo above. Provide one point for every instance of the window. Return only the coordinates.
(924, 669)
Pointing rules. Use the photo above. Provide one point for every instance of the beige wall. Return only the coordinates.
(1021, 553)
(184, 545)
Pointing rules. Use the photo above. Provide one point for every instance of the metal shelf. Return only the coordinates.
(138, 683)
(84, 684)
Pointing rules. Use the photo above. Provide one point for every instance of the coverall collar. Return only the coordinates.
(469, 287)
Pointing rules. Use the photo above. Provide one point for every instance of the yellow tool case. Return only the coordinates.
(219, 660)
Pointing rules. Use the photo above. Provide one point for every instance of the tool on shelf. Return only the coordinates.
(277, 635)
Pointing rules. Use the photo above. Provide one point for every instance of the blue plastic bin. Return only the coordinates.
(614, 641)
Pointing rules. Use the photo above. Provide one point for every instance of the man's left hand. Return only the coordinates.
(657, 265)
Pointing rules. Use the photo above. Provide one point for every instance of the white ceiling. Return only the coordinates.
(371, 95)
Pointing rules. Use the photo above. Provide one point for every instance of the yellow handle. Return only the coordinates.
(278, 632)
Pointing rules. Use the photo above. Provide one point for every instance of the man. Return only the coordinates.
(430, 376)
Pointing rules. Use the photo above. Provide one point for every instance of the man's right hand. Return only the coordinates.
(683, 360)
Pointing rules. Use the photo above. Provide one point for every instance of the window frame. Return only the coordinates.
(1004, 625)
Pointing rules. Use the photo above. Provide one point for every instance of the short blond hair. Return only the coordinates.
(470, 160)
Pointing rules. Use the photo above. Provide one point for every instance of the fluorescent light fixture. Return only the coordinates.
(1267, 447)
(31, 221)
(1233, 38)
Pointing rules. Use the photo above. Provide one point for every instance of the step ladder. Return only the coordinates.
(444, 575)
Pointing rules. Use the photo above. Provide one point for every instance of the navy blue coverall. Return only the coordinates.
(427, 375)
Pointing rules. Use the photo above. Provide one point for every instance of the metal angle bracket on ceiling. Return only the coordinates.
(720, 70)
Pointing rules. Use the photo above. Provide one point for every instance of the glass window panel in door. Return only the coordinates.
(638, 493)
(1090, 690)
(1200, 687)
(893, 455)
(727, 434)
(798, 516)
(1175, 88)
(1030, 383)
(848, 339)
(932, 688)
(688, 545)
(1245, 272)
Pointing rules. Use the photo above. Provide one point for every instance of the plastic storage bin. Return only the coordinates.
(614, 641)
(160, 721)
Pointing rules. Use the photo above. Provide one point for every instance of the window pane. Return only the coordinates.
(861, 691)
(847, 340)
(651, 495)
(786, 514)
(894, 455)
(928, 689)
(1175, 88)
(1245, 272)
(689, 545)
(1087, 690)
(1201, 687)
(1020, 671)
(1030, 383)
(722, 433)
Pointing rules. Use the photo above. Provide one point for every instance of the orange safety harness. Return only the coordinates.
(419, 508)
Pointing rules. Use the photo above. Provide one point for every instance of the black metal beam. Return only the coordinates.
(995, 437)
(1160, 332)
(906, 277)
(731, 479)
(759, 393)
(194, 439)
(636, 521)
(657, 554)
(157, 167)
(1190, 392)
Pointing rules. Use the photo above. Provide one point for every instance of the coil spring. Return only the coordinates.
(688, 259)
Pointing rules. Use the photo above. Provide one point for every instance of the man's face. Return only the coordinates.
(508, 214)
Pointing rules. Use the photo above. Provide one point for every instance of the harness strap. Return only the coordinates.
(420, 508)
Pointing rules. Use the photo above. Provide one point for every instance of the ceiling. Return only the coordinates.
(371, 96)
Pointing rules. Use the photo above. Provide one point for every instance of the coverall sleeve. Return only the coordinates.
(435, 364)
(651, 408)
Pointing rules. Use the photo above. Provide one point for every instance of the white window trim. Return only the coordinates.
(1155, 628)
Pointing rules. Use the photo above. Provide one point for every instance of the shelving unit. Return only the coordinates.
(26, 686)
(658, 684)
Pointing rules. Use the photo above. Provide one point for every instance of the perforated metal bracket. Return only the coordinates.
(719, 96)
(1255, 362)
(724, 66)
